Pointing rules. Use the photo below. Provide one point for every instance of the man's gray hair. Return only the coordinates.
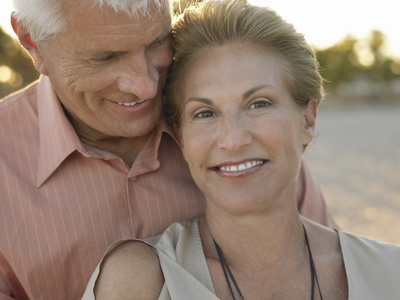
(46, 18)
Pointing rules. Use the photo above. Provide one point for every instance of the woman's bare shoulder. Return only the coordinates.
(131, 268)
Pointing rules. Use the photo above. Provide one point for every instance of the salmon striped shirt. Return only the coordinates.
(63, 203)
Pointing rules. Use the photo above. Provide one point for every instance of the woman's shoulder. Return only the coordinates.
(368, 248)
(123, 261)
(178, 234)
(372, 267)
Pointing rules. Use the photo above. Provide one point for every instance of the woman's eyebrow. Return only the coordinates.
(244, 96)
(198, 99)
(255, 89)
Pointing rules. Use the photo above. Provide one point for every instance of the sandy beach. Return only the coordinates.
(356, 160)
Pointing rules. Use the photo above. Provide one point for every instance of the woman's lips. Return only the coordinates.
(239, 169)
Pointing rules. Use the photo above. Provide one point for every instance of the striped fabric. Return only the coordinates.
(62, 203)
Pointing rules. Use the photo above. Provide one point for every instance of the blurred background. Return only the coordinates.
(355, 156)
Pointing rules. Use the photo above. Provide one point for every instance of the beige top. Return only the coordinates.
(372, 267)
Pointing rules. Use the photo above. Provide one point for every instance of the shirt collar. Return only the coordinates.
(58, 138)
(147, 160)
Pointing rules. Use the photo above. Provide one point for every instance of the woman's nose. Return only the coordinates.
(234, 133)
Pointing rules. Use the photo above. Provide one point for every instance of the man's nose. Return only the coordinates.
(140, 78)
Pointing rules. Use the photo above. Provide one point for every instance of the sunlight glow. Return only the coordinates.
(364, 55)
(5, 74)
(324, 23)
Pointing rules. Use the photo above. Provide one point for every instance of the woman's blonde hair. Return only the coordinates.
(216, 23)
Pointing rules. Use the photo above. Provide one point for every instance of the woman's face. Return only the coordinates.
(242, 134)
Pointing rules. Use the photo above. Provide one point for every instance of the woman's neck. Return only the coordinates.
(261, 241)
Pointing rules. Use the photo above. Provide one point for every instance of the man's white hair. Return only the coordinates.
(45, 18)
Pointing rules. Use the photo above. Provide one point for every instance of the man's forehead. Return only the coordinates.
(116, 32)
(81, 10)
(82, 17)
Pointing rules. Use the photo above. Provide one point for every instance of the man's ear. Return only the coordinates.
(26, 41)
(310, 116)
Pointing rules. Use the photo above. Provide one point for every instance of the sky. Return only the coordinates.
(323, 22)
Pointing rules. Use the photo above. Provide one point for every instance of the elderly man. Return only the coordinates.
(86, 157)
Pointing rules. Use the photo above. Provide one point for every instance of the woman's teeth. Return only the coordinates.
(131, 103)
(241, 167)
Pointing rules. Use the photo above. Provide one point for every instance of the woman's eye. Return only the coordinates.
(260, 104)
(204, 114)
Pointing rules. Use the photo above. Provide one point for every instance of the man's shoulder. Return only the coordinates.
(25, 97)
(19, 117)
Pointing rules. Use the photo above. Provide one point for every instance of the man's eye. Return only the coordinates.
(204, 114)
(155, 44)
(106, 58)
(159, 42)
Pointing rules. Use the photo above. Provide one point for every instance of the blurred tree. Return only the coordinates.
(16, 66)
(338, 61)
(351, 58)
(380, 69)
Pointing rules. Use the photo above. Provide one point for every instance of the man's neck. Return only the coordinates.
(125, 148)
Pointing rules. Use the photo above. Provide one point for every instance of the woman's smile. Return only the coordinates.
(239, 169)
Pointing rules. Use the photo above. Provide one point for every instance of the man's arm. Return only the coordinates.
(310, 201)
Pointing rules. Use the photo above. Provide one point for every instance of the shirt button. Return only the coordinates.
(132, 178)
(86, 154)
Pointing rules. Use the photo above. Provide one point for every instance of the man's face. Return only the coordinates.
(108, 70)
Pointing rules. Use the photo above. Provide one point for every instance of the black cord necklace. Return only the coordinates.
(230, 278)
(312, 267)
(227, 272)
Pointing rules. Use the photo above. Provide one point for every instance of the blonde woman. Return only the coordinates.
(244, 91)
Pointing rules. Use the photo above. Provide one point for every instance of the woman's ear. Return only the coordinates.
(310, 116)
(27, 42)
